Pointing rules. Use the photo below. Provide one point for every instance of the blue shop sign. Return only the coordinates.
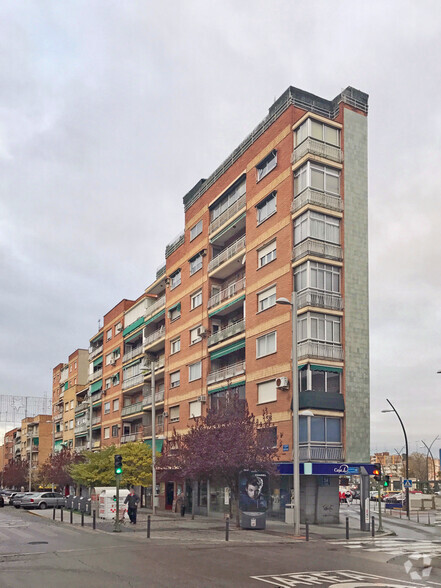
(327, 469)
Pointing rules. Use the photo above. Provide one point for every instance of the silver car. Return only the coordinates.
(43, 500)
(18, 496)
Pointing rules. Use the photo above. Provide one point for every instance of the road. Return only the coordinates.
(40, 553)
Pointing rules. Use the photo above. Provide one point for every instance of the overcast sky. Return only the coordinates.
(111, 111)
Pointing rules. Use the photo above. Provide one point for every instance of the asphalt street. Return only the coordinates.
(37, 552)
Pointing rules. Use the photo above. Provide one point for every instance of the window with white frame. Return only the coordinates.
(175, 279)
(116, 379)
(109, 358)
(267, 207)
(116, 353)
(194, 371)
(174, 414)
(266, 392)
(116, 404)
(317, 226)
(118, 328)
(175, 345)
(228, 199)
(194, 335)
(319, 276)
(196, 230)
(266, 165)
(66, 425)
(319, 429)
(196, 299)
(317, 177)
(266, 344)
(195, 409)
(71, 424)
(175, 379)
(71, 404)
(317, 130)
(266, 299)
(195, 264)
(106, 407)
(115, 430)
(106, 432)
(267, 254)
(175, 312)
(109, 334)
(319, 327)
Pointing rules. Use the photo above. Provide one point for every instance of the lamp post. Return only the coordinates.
(407, 453)
(295, 410)
(429, 450)
(152, 358)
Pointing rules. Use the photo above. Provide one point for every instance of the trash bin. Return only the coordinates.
(289, 514)
(88, 506)
(69, 501)
(76, 503)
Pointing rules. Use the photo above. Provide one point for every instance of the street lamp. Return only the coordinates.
(295, 410)
(407, 454)
(429, 450)
(152, 358)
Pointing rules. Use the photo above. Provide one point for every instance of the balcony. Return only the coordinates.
(160, 363)
(310, 196)
(97, 351)
(58, 416)
(175, 244)
(132, 353)
(160, 271)
(137, 380)
(159, 429)
(97, 396)
(317, 350)
(85, 405)
(95, 375)
(318, 299)
(58, 435)
(81, 428)
(229, 213)
(147, 400)
(155, 336)
(96, 420)
(132, 437)
(313, 452)
(220, 261)
(229, 292)
(227, 372)
(96, 444)
(317, 148)
(319, 248)
(131, 409)
(227, 332)
(154, 307)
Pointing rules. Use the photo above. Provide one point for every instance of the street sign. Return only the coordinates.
(407, 483)
(286, 448)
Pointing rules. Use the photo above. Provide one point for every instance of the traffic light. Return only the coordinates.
(118, 464)
(377, 473)
(386, 482)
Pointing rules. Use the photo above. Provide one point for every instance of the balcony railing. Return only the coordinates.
(130, 438)
(81, 428)
(96, 420)
(133, 381)
(230, 212)
(95, 352)
(159, 364)
(96, 444)
(309, 452)
(158, 334)
(227, 253)
(58, 434)
(227, 332)
(317, 350)
(310, 196)
(311, 297)
(132, 353)
(228, 292)
(159, 429)
(159, 397)
(171, 247)
(155, 306)
(319, 148)
(95, 375)
(97, 396)
(160, 271)
(58, 416)
(82, 406)
(314, 247)
(131, 409)
(226, 372)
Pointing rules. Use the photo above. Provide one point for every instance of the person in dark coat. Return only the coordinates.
(132, 501)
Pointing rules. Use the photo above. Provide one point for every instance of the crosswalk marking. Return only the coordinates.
(393, 546)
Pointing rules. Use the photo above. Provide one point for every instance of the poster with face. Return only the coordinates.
(253, 491)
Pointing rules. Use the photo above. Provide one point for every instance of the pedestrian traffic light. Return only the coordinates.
(386, 482)
(118, 464)
(377, 473)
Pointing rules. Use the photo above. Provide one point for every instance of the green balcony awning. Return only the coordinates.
(222, 388)
(176, 306)
(79, 415)
(155, 317)
(135, 361)
(228, 349)
(159, 444)
(97, 338)
(210, 314)
(133, 337)
(326, 368)
(98, 361)
(81, 434)
(96, 386)
(96, 404)
(227, 228)
(58, 442)
(96, 427)
(133, 326)
(35, 440)
(66, 386)
(116, 351)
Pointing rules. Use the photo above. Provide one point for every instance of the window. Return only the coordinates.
(71, 425)
(195, 264)
(106, 432)
(196, 230)
(118, 328)
(106, 407)
(108, 358)
(75, 365)
(175, 279)
(66, 406)
(116, 353)
(116, 404)
(266, 299)
(108, 383)
(194, 335)
(320, 276)
(115, 430)
(319, 430)
(321, 327)
(267, 254)
(266, 165)
(266, 344)
(319, 380)
(71, 404)
(317, 130)
(196, 299)
(194, 371)
(116, 379)
(231, 196)
(175, 379)
(109, 335)
(175, 345)
(318, 177)
(317, 226)
(195, 409)
(66, 425)
(267, 207)
(174, 414)
(175, 312)
(266, 392)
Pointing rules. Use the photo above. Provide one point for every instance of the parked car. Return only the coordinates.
(373, 495)
(2, 501)
(11, 498)
(16, 501)
(43, 500)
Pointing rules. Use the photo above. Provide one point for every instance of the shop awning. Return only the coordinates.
(98, 361)
(155, 317)
(326, 368)
(222, 388)
(159, 444)
(210, 314)
(228, 349)
(96, 386)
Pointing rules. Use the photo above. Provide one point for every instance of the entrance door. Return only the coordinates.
(169, 495)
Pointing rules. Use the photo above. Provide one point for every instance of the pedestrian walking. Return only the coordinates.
(132, 501)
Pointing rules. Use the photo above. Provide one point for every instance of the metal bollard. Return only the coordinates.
(94, 520)
(82, 519)
(347, 527)
(307, 531)
(53, 514)
(227, 529)
(373, 527)
(428, 518)
(148, 526)
(401, 510)
(61, 513)
(71, 516)
(418, 516)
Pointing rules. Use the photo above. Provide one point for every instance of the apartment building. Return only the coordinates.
(36, 439)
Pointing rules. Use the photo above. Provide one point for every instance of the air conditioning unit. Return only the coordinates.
(282, 383)
(202, 398)
(201, 331)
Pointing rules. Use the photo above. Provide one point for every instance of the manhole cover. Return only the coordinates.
(37, 542)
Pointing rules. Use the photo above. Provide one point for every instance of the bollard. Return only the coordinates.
(347, 527)
(373, 527)
(53, 514)
(428, 518)
(418, 516)
(61, 513)
(71, 516)
(401, 510)
(148, 527)
(82, 519)
(307, 531)
(227, 529)
(94, 520)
